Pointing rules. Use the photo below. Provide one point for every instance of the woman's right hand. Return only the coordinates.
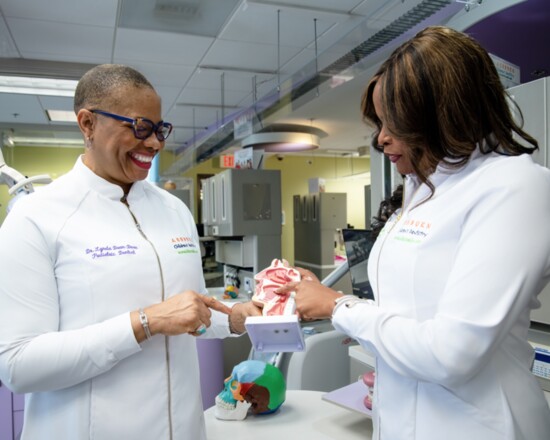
(313, 299)
(181, 313)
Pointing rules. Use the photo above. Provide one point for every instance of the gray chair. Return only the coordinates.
(323, 366)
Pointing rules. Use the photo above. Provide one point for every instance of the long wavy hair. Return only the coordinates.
(442, 96)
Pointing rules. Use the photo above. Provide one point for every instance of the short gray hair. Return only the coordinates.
(97, 85)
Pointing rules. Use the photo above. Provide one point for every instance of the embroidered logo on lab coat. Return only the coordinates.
(184, 245)
(413, 230)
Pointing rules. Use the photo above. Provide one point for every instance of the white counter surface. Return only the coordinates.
(303, 416)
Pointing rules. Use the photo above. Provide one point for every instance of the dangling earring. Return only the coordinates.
(89, 142)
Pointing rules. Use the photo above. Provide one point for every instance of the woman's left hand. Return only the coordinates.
(239, 313)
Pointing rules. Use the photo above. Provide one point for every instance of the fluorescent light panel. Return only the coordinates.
(37, 86)
(61, 116)
(47, 142)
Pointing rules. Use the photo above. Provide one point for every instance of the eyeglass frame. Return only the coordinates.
(134, 121)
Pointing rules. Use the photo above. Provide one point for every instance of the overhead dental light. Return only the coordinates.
(273, 142)
(285, 138)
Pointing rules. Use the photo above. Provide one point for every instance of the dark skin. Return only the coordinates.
(313, 299)
(185, 312)
(115, 154)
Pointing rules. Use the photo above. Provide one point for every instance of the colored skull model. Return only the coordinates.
(252, 385)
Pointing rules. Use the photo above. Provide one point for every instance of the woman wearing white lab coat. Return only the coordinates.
(457, 270)
(102, 289)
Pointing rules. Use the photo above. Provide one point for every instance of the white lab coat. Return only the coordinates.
(73, 265)
(454, 280)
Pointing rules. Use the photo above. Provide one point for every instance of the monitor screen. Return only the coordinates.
(358, 244)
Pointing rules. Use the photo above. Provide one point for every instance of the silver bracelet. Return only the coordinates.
(145, 324)
(348, 301)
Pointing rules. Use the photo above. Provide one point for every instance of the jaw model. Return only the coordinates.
(252, 385)
(228, 411)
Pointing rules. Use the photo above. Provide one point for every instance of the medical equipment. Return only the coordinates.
(241, 209)
(182, 188)
(18, 184)
(317, 217)
(358, 244)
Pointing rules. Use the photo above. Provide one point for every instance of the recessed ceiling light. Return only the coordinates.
(61, 116)
(37, 86)
(47, 142)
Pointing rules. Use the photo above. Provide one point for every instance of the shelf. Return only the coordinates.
(359, 353)
(350, 397)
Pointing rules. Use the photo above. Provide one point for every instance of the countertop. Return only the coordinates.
(304, 415)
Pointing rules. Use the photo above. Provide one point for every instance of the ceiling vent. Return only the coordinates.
(185, 10)
(192, 17)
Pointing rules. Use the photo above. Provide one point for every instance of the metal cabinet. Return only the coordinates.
(316, 220)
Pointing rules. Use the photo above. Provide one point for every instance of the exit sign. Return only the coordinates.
(227, 161)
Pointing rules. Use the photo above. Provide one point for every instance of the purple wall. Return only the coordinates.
(211, 368)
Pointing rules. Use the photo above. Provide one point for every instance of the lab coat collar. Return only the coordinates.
(443, 177)
(103, 187)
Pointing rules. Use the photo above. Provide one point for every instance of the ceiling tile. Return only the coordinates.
(168, 96)
(55, 103)
(92, 13)
(161, 74)
(259, 24)
(211, 96)
(243, 55)
(49, 41)
(161, 47)
(237, 81)
(22, 108)
(7, 46)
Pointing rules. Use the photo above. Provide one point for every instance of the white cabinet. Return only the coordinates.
(533, 98)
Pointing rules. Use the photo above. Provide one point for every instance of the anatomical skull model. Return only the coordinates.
(253, 385)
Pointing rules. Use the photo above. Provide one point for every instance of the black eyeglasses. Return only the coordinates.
(142, 127)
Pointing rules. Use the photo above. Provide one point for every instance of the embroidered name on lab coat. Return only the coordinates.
(111, 251)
